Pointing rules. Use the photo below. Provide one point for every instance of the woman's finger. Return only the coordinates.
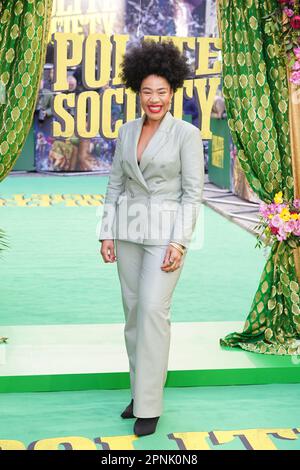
(108, 253)
(112, 254)
(166, 260)
(105, 255)
(172, 266)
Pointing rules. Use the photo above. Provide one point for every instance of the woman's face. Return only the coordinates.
(155, 96)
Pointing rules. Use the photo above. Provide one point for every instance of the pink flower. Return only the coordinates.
(296, 203)
(297, 52)
(283, 2)
(282, 235)
(276, 221)
(289, 12)
(297, 228)
(264, 209)
(278, 207)
(295, 22)
(296, 65)
(271, 209)
(295, 77)
(289, 226)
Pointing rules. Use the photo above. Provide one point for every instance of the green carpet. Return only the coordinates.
(54, 274)
(223, 414)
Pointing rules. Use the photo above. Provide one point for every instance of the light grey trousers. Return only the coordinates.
(146, 295)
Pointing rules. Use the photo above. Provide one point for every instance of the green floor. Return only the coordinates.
(242, 416)
(53, 273)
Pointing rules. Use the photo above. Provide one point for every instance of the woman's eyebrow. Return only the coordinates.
(149, 88)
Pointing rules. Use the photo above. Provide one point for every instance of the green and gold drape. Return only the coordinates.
(294, 118)
(256, 93)
(24, 29)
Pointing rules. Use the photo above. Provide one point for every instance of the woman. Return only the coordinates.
(150, 210)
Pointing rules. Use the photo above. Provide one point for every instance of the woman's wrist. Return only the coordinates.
(178, 246)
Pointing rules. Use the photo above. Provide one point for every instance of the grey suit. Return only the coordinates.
(146, 206)
(167, 184)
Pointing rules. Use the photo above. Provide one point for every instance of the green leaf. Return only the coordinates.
(289, 46)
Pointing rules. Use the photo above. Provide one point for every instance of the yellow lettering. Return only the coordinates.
(206, 102)
(43, 200)
(96, 45)
(204, 55)
(217, 157)
(252, 439)
(21, 200)
(62, 59)
(119, 442)
(93, 116)
(191, 440)
(11, 445)
(107, 97)
(70, 443)
(63, 115)
(119, 41)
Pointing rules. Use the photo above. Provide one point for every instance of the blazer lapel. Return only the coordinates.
(155, 144)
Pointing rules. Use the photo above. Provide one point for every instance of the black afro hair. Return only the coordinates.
(149, 57)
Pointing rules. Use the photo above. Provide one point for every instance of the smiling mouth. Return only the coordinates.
(155, 109)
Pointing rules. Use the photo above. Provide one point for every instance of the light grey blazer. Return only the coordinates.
(158, 200)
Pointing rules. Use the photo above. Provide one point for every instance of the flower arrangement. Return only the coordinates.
(279, 220)
(285, 21)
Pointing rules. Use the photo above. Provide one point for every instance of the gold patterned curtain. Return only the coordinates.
(294, 120)
(256, 94)
(24, 29)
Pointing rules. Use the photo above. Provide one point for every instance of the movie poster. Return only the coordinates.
(184, 18)
(75, 154)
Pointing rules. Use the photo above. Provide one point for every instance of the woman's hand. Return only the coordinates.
(172, 259)
(108, 251)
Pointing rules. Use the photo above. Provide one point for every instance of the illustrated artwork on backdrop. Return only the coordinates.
(134, 21)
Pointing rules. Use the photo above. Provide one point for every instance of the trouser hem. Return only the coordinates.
(147, 415)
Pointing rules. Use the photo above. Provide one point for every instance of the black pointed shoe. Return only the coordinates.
(145, 426)
(128, 412)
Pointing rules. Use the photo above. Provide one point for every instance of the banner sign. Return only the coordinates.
(82, 102)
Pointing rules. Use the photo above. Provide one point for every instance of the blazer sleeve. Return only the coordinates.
(192, 174)
(115, 186)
